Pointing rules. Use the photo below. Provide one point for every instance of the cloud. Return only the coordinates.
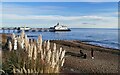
(30, 8)
(89, 24)
(15, 14)
(88, 21)
(49, 17)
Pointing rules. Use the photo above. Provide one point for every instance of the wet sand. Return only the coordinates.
(105, 59)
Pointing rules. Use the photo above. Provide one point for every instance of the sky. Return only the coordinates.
(72, 14)
(59, 0)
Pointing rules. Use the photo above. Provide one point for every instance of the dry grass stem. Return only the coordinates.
(34, 56)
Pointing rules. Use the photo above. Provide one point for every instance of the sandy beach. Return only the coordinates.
(105, 59)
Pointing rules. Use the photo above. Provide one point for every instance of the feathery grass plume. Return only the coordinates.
(35, 42)
(40, 39)
(3, 39)
(57, 56)
(35, 71)
(39, 42)
(35, 53)
(44, 49)
(21, 70)
(24, 70)
(10, 46)
(18, 71)
(62, 55)
(50, 59)
(44, 45)
(13, 35)
(19, 42)
(22, 44)
(54, 47)
(31, 70)
(31, 51)
(15, 44)
(22, 34)
(28, 71)
(39, 48)
(60, 51)
(45, 69)
(25, 36)
(14, 70)
(48, 56)
(42, 55)
(26, 45)
(62, 62)
(26, 42)
(2, 71)
(53, 60)
(57, 67)
(48, 45)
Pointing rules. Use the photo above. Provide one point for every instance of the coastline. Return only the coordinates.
(86, 46)
(106, 59)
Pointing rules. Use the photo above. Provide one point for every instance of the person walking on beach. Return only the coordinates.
(92, 55)
(82, 54)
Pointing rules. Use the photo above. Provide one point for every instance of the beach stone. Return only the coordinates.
(72, 69)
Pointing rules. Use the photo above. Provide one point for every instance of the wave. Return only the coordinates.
(105, 43)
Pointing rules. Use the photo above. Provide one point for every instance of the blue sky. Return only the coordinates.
(72, 14)
(59, 0)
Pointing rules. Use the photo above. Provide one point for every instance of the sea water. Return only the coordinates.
(97, 36)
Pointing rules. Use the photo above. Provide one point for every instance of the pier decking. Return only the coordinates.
(13, 29)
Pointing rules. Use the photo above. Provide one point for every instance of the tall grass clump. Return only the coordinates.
(32, 56)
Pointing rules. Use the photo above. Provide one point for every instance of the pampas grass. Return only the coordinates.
(31, 56)
(35, 52)
(10, 46)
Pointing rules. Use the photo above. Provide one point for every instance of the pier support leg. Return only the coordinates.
(3, 31)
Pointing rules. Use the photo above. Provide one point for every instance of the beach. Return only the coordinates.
(66, 37)
(105, 59)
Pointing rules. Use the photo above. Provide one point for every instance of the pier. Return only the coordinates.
(15, 29)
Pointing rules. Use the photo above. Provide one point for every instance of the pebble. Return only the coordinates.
(72, 69)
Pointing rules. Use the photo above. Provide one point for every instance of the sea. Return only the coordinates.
(105, 37)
